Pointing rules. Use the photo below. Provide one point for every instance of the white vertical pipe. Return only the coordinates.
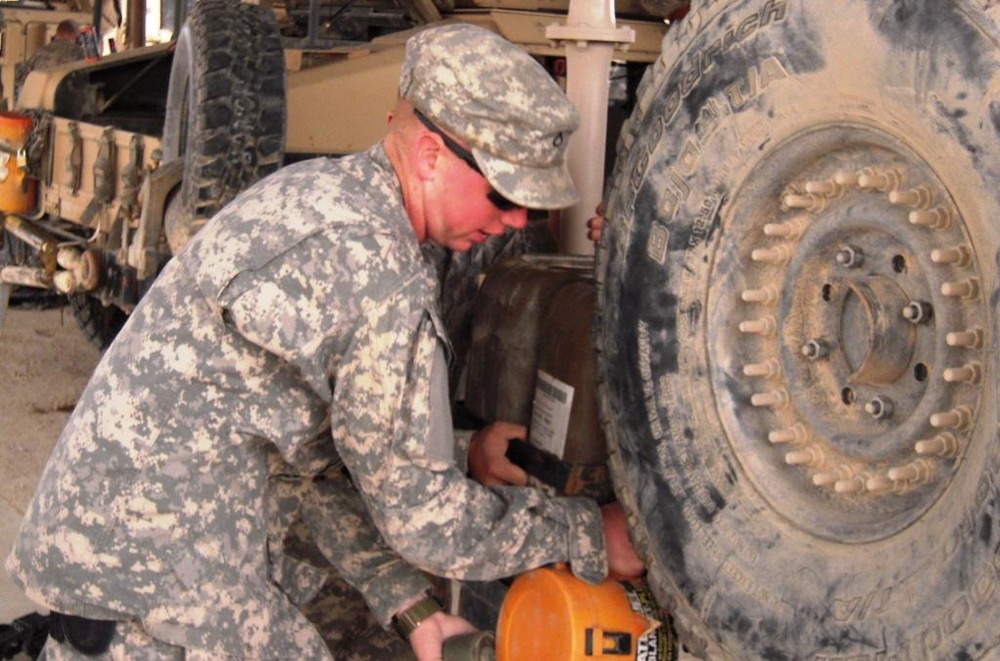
(590, 34)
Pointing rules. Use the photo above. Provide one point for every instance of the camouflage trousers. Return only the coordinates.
(338, 613)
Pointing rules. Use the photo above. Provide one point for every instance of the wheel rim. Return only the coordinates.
(849, 382)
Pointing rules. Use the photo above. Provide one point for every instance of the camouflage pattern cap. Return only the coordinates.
(485, 90)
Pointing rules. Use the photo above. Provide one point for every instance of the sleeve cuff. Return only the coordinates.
(587, 555)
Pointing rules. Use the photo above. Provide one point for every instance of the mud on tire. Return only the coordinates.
(225, 108)
(797, 329)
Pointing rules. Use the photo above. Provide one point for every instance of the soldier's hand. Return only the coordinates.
(623, 563)
(595, 226)
(488, 463)
(427, 640)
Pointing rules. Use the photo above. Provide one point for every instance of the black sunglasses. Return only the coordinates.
(495, 198)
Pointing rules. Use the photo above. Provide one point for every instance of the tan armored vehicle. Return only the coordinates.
(795, 302)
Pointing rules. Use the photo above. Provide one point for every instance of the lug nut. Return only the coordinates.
(880, 407)
(816, 349)
(918, 312)
(850, 257)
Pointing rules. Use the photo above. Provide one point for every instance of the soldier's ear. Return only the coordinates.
(428, 150)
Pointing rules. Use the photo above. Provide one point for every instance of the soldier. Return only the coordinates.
(290, 362)
(61, 50)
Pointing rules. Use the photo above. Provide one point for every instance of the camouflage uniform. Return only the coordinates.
(296, 333)
(54, 53)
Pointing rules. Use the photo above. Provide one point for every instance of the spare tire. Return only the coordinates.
(225, 108)
(797, 328)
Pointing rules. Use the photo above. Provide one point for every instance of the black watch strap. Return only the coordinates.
(408, 620)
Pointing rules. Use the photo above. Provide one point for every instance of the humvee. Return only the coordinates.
(794, 319)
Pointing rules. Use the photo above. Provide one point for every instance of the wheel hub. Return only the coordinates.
(860, 335)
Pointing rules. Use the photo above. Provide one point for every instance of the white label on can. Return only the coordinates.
(550, 413)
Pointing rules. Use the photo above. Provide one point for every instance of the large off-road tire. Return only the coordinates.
(225, 108)
(798, 328)
(99, 323)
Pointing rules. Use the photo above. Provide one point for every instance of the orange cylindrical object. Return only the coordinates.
(550, 614)
(17, 190)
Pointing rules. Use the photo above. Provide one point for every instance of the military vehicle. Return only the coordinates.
(794, 314)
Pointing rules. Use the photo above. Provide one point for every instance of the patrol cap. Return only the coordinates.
(485, 90)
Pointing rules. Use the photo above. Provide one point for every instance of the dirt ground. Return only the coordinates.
(45, 362)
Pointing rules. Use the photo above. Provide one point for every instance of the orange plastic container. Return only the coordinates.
(17, 190)
(550, 614)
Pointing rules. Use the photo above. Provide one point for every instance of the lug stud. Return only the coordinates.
(959, 256)
(919, 197)
(790, 230)
(958, 418)
(795, 435)
(827, 478)
(764, 326)
(805, 457)
(879, 484)
(967, 289)
(775, 255)
(771, 398)
(768, 369)
(883, 180)
(809, 201)
(768, 294)
(967, 339)
(828, 188)
(937, 218)
(846, 178)
(914, 472)
(944, 445)
(969, 373)
(850, 485)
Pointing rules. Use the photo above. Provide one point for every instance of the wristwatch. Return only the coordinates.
(407, 621)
